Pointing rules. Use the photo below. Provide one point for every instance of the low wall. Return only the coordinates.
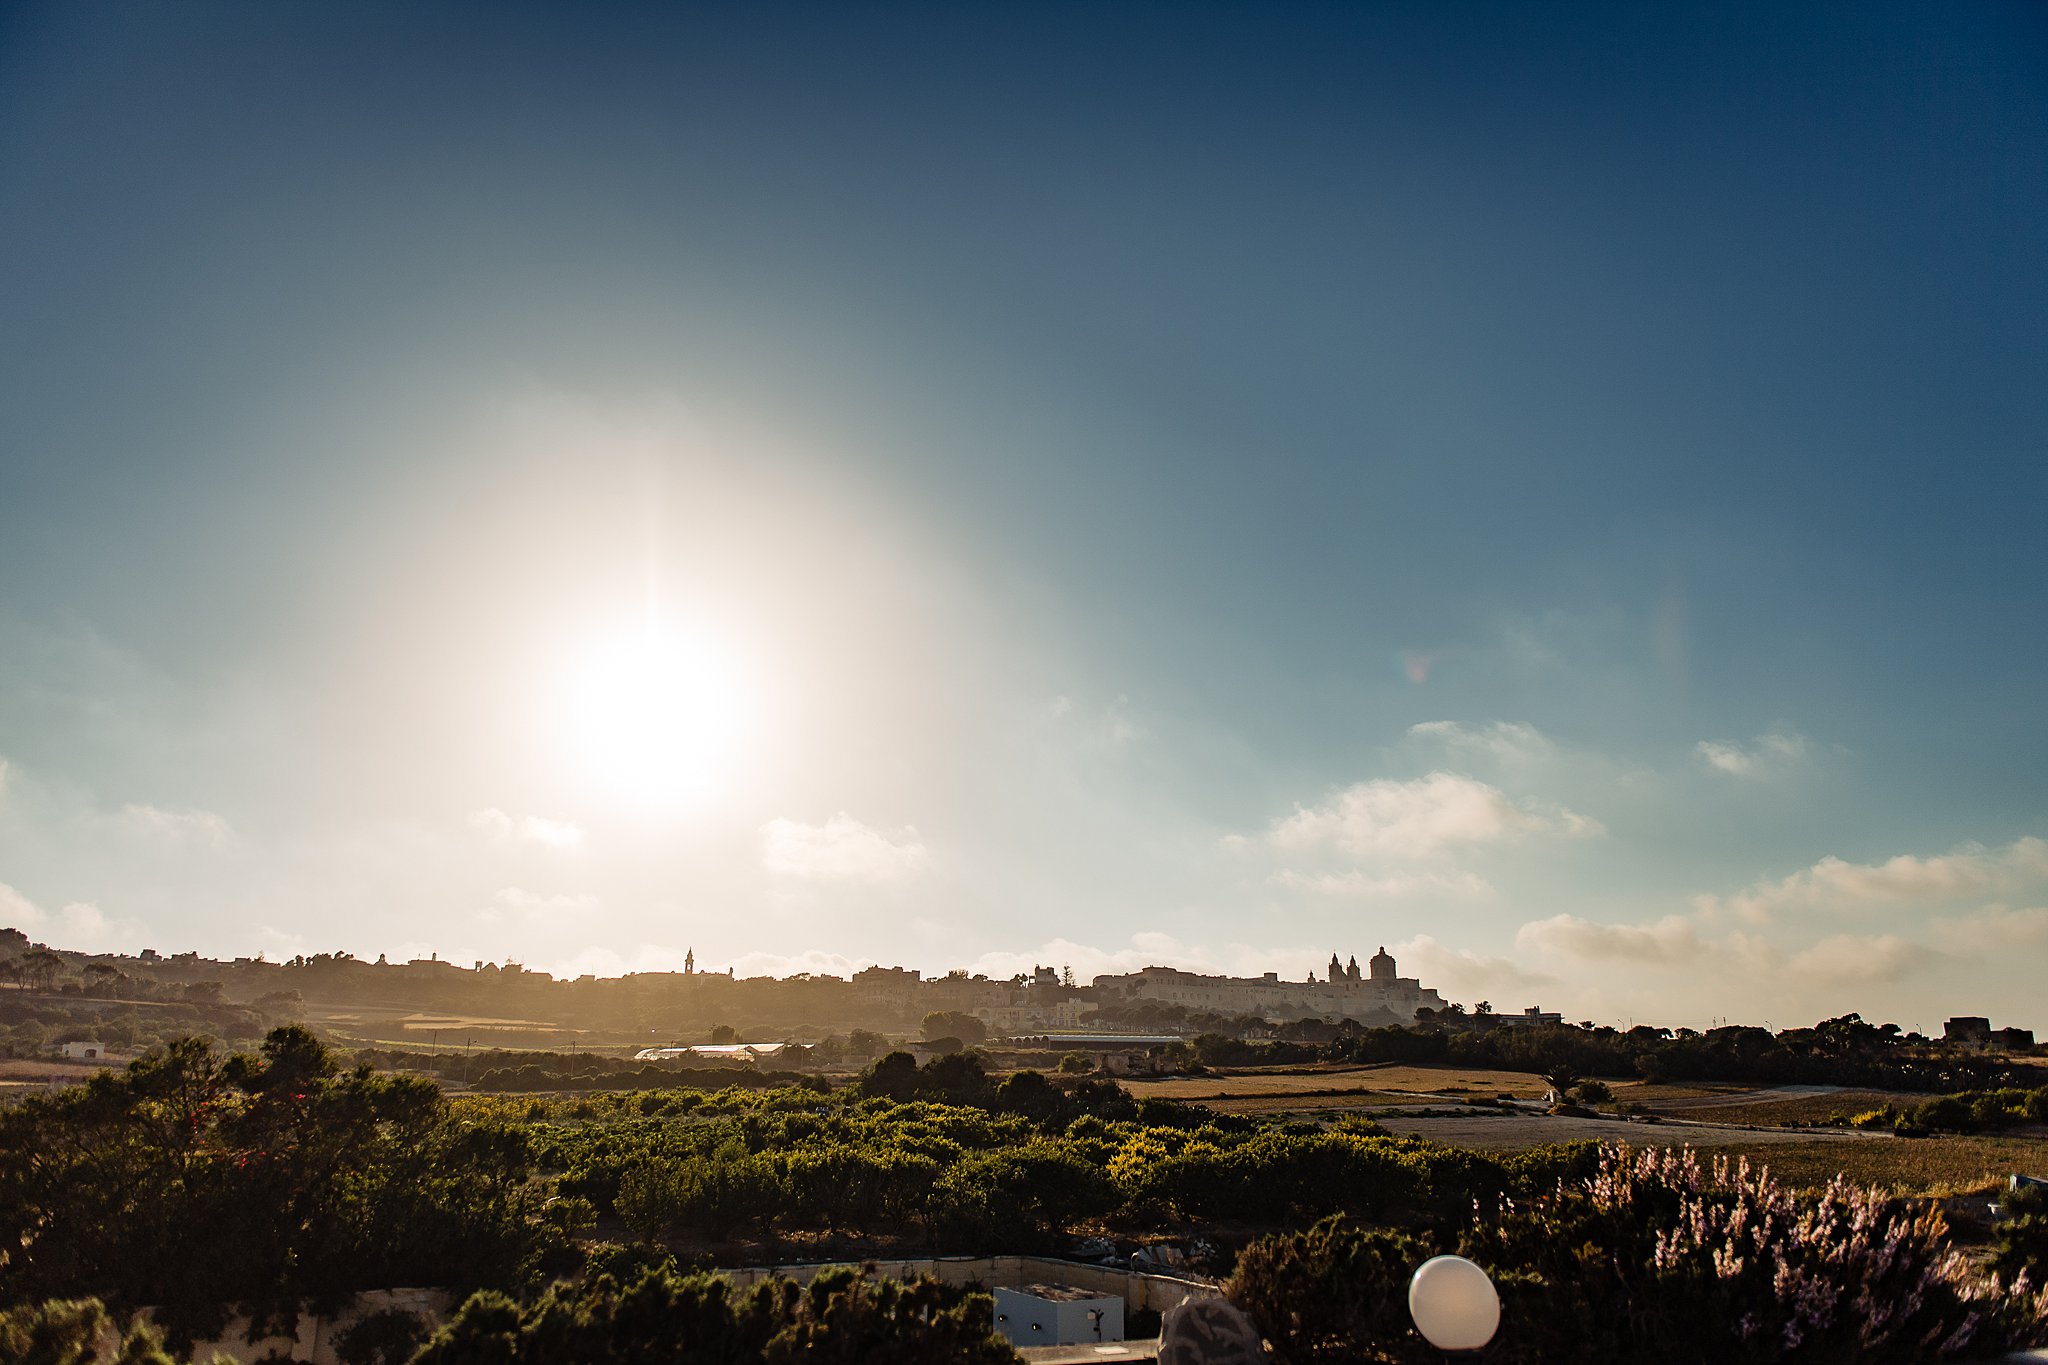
(1136, 1288)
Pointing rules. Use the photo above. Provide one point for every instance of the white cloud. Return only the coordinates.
(512, 904)
(1669, 940)
(5, 769)
(648, 957)
(1776, 752)
(1994, 929)
(1852, 959)
(1506, 741)
(842, 849)
(782, 964)
(1461, 974)
(1421, 817)
(180, 826)
(499, 827)
(1832, 884)
(1364, 884)
(79, 927)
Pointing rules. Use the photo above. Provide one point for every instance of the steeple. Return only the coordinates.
(1351, 972)
(690, 962)
(1336, 969)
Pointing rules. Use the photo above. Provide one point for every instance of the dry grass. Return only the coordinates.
(1924, 1166)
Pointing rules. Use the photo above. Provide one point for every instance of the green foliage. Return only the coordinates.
(953, 1024)
(279, 1179)
(2021, 1235)
(1331, 1293)
(841, 1316)
(1976, 1111)
(388, 1337)
(76, 1332)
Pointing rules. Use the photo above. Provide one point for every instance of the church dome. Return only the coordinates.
(1382, 966)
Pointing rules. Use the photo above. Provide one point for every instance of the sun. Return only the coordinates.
(656, 718)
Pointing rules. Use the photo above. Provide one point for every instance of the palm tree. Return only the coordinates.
(1562, 1078)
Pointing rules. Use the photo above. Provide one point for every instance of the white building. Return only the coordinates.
(1057, 1315)
(85, 1052)
(723, 1052)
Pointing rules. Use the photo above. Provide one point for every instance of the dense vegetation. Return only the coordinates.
(1843, 1051)
(940, 1157)
(842, 1315)
(1653, 1259)
(196, 1180)
(1970, 1111)
(285, 1181)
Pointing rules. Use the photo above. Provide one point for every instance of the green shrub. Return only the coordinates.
(73, 1332)
(839, 1318)
(2021, 1235)
(388, 1337)
(1330, 1294)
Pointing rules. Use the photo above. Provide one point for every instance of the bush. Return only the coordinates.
(2021, 1236)
(842, 1316)
(1593, 1092)
(71, 1332)
(279, 1178)
(1329, 1294)
(1650, 1259)
(388, 1337)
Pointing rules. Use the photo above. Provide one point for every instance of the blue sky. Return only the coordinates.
(1552, 491)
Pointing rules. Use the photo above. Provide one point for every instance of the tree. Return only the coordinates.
(953, 1024)
(1561, 1076)
(724, 1034)
(40, 968)
(842, 1317)
(281, 1176)
(102, 979)
(73, 1332)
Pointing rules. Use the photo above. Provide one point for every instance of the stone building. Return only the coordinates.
(1380, 994)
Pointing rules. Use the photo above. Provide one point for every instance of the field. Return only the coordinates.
(1382, 1085)
(398, 1026)
(1724, 1120)
(19, 1074)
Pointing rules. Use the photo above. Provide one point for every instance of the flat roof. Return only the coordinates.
(1057, 1293)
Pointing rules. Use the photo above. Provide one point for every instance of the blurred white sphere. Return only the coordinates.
(1453, 1303)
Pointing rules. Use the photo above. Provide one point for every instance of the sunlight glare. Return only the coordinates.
(655, 718)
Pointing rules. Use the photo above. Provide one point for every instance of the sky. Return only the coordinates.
(1554, 491)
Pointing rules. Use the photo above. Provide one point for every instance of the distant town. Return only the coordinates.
(120, 1003)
